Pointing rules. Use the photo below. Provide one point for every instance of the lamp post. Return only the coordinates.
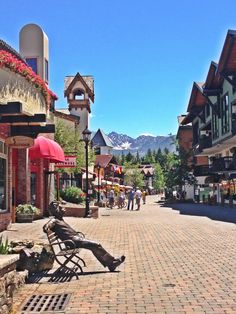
(98, 169)
(86, 138)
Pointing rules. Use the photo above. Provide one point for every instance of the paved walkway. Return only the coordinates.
(174, 264)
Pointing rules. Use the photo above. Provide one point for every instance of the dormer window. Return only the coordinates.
(79, 95)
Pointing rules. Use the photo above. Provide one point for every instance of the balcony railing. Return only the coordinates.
(222, 164)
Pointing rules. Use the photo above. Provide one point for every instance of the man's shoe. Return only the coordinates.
(116, 263)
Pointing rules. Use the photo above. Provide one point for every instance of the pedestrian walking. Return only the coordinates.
(144, 196)
(131, 199)
(111, 198)
(138, 195)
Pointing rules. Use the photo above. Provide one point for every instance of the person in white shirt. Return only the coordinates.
(138, 195)
(111, 198)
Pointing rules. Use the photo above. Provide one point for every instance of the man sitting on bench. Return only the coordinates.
(65, 232)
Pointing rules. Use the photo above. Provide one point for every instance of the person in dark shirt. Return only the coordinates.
(131, 199)
(65, 232)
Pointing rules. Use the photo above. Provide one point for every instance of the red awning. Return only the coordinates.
(46, 149)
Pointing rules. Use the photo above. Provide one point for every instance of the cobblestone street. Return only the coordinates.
(174, 263)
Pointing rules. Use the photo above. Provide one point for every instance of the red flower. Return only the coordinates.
(11, 62)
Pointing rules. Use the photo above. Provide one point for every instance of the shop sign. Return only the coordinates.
(70, 162)
(20, 141)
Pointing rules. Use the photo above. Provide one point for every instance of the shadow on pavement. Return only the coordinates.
(62, 276)
(219, 213)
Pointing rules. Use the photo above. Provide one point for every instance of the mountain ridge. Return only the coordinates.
(123, 143)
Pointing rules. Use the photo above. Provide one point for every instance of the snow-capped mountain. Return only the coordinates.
(124, 143)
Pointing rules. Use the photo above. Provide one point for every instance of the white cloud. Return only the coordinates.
(91, 115)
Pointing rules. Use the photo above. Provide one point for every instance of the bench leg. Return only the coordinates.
(64, 265)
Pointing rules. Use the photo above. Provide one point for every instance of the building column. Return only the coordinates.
(23, 178)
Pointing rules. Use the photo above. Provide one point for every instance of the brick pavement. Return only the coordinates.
(174, 264)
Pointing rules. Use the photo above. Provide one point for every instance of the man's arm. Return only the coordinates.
(49, 225)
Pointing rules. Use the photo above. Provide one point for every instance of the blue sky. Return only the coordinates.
(144, 55)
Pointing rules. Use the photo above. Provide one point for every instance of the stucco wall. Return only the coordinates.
(34, 43)
(14, 87)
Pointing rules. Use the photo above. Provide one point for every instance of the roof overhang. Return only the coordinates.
(197, 98)
(227, 62)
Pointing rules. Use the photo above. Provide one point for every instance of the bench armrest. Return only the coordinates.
(81, 234)
(69, 244)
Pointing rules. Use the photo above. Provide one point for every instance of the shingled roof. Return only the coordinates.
(101, 139)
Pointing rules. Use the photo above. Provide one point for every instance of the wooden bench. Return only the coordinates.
(66, 254)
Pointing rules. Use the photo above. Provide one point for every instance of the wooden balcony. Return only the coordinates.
(219, 165)
(223, 164)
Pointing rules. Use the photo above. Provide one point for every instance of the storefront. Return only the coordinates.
(26, 106)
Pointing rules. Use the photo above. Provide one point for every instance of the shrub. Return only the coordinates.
(4, 245)
(73, 194)
(26, 209)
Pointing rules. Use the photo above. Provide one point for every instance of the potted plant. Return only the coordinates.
(26, 212)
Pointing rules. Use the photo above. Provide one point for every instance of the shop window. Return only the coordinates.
(2, 184)
(32, 62)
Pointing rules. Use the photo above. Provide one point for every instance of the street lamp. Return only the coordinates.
(98, 169)
(86, 138)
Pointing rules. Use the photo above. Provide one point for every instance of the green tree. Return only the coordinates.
(137, 159)
(69, 140)
(122, 158)
(166, 151)
(129, 157)
(133, 175)
(177, 169)
(159, 180)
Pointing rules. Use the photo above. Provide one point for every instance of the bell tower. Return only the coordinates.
(79, 91)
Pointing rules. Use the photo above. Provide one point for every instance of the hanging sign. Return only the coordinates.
(20, 141)
(70, 162)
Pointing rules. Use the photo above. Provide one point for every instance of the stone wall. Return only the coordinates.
(10, 281)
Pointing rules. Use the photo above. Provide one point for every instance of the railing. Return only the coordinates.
(223, 164)
(218, 165)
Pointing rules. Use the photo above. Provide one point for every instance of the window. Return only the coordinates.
(78, 95)
(46, 70)
(215, 125)
(32, 62)
(225, 114)
(195, 133)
